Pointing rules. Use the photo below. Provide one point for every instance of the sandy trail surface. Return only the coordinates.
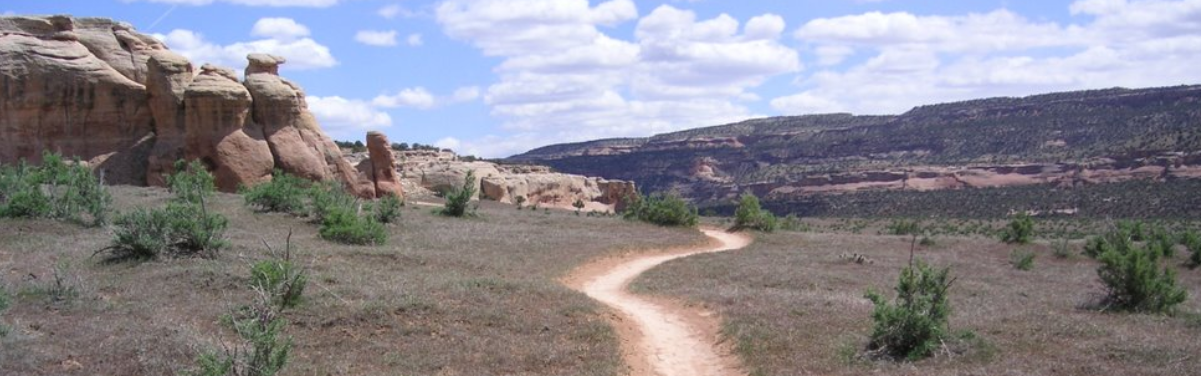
(659, 337)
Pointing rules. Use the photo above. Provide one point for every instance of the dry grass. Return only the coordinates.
(794, 307)
(446, 296)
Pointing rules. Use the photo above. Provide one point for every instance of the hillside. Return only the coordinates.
(1079, 140)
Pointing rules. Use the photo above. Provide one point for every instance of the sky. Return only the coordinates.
(498, 77)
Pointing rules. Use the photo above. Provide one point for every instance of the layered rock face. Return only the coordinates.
(57, 93)
(1064, 140)
(98, 90)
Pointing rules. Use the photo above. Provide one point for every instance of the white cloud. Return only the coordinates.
(414, 40)
(254, 3)
(279, 28)
(448, 143)
(562, 78)
(466, 94)
(347, 118)
(389, 11)
(376, 38)
(914, 60)
(303, 53)
(417, 97)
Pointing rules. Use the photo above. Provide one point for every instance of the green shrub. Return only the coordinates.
(1163, 242)
(285, 193)
(458, 199)
(904, 227)
(1060, 249)
(792, 223)
(191, 182)
(195, 231)
(519, 200)
(179, 229)
(56, 189)
(578, 205)
(1022, 260)
(1019, 231)
(281, 280)
(1135, 230)
(5, 302)
(916, 322)
(140, 234)
(264, 353)
(750, 215)
(662, 209)
(1135, 281)
(1192, 241)
(387, 210)
(1119, 240)
(326, 196)
(341, 224)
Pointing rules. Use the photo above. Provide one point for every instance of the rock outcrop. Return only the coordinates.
(57, 94)
(428, 171)
(380, 166)
(96, 89)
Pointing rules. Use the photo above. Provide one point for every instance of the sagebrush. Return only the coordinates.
(915, 323)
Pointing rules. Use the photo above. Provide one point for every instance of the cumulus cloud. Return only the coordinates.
(254, 3)
(912, 60)
(376, 38)
(284, 39)
(279, 28)
(347, 118)
(414, 40)
(466, 94)
(417, 97)
(563, 78)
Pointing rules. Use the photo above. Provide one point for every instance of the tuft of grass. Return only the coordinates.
(1022, 260)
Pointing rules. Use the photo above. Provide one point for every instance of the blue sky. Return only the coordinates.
(498, 77)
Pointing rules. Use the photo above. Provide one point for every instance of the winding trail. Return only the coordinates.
(659, 338)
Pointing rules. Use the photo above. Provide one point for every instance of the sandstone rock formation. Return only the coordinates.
(57, 94)
(96, 89)
(380, 166)
(427, 171)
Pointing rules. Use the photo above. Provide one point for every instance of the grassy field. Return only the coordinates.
(793, 306)
(445, 296)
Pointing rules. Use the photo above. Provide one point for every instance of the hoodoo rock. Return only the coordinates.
(380, 166)
(220, 131)
(119, 100)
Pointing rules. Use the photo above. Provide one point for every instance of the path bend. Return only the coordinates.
(659, 338)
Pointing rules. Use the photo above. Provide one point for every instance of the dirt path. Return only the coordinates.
(658, 337)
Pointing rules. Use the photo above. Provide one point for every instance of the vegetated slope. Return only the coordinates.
(1069, 139)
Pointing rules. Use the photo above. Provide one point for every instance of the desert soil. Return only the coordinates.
(660, 337)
